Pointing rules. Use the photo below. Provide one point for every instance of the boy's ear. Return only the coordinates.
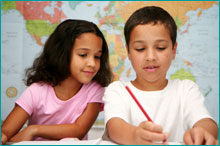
(128, 52)
(174, 50)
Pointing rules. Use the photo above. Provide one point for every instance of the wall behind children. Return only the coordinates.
(25, 26)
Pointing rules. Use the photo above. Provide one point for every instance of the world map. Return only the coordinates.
(26, 25)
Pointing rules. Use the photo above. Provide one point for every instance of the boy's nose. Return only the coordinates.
(150, 55)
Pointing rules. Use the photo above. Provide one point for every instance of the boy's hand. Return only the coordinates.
(199, 136)
(27, 134)
(148, 133)
(4, 138)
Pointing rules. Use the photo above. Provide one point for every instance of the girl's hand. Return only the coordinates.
(27, 134)
(199, 136)
(148, 133)
(4, 138)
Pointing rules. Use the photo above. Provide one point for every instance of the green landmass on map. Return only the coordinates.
(8, 5)
(179, 23)
(40, 27)
(182, 74)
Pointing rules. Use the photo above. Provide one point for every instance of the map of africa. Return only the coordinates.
(26, 25)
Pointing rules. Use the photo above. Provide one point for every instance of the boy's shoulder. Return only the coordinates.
(114, 84)
(182, 83)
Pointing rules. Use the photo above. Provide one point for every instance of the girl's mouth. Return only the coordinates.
(89, 73)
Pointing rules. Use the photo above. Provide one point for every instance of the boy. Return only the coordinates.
(176, 107)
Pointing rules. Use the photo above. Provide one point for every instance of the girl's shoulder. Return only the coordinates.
(92, 91)
(39, 87)
(34, 95)
(93, 85)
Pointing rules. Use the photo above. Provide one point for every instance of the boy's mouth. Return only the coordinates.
(151, 68)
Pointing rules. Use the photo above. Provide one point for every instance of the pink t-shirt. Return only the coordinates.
(41, 103)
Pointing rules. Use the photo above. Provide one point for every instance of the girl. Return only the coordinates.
(66, 85)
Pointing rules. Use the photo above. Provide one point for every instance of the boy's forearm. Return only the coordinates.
(209, 125)
(121, 132)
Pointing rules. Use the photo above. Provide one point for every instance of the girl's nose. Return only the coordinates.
(91, 62)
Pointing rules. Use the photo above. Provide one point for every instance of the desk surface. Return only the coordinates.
(98, 141)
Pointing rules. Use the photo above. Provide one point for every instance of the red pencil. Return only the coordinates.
(137, 102)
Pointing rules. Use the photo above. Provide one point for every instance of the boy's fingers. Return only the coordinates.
(209, 139)
(152, 127)
(198, 137)
(152, 136)
(188, 138)
(167, 135)
(152, 132)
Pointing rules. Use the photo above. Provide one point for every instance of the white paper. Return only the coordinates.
(98, 141)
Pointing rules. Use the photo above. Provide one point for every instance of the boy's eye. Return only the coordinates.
(139, 50)
(161, 48)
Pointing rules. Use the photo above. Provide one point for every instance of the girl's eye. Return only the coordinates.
(97, 57)
(83, 55)
(139, 50)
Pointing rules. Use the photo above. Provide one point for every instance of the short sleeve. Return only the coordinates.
(115, 104)
(195, 108)
(25, 101)
(96, 92)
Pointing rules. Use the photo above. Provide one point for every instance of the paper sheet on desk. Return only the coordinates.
(98, 141)
(175, 143)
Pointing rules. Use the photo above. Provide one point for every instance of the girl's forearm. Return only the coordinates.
(78, 129)
(57, 132)
(14, 122)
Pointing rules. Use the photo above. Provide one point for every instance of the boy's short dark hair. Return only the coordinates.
(150, 14)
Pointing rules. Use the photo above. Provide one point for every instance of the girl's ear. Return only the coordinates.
(174, 51)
